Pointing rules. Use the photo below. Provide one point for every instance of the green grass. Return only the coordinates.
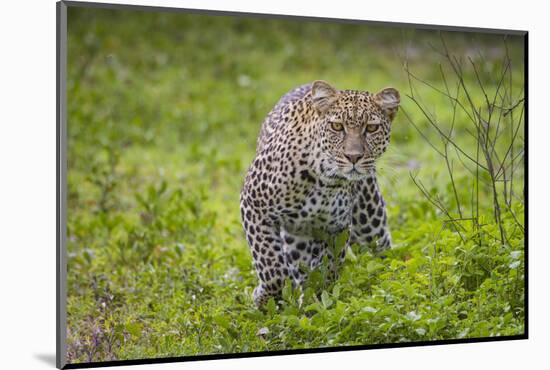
(164, 111)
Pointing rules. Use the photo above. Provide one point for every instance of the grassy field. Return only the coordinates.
(163, 115)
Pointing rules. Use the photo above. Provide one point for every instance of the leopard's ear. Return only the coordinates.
(323, 95)
(388, 100)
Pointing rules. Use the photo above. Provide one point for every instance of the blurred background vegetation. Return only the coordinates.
(163, 114)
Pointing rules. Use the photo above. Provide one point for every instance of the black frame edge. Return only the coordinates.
(526, 182)
(61, 172)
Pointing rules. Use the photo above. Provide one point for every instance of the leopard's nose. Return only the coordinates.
(353, 157)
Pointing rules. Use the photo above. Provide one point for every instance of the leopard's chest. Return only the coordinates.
(320, 209)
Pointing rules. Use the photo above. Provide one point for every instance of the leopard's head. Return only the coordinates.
(353, 129)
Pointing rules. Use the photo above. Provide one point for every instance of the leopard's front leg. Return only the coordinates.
(369, 217)
(305, 253)
(266, 246)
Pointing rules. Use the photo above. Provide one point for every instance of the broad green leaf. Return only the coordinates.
(327, 302)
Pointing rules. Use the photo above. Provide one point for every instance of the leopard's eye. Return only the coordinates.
(372, 128)
(336, 126)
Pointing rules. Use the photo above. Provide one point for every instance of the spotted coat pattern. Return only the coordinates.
(314, 176)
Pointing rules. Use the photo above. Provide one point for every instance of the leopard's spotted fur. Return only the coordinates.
(315, 170)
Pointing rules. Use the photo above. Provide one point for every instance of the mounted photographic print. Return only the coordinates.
(235, 184)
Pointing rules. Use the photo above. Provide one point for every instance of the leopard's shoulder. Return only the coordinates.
(276, 118)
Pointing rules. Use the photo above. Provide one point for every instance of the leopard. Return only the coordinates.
(313, 178)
